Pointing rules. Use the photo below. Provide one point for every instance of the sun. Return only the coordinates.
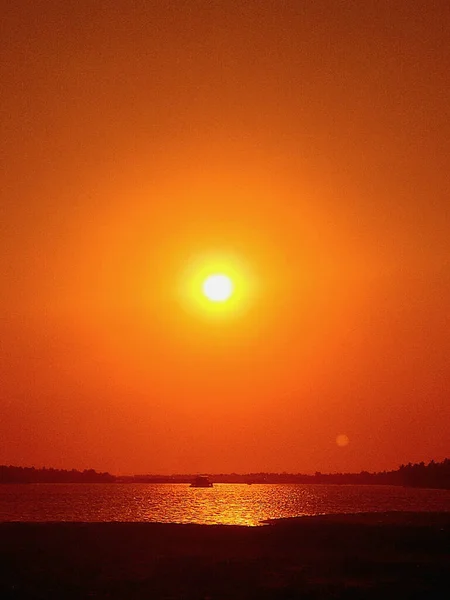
(218, 287)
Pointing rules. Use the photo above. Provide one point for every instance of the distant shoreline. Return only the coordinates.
(187, 482)
(435, 475)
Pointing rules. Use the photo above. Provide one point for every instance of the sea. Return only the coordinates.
(230, 504)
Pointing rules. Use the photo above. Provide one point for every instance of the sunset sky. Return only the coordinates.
(302, 148)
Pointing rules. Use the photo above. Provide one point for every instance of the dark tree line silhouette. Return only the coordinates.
(432, 475)
(10, 474)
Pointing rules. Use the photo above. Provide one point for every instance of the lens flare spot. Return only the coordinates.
(342, 440)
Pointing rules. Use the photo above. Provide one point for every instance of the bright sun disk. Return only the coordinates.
(218, 287)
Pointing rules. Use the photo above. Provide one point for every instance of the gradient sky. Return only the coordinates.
(305, 141)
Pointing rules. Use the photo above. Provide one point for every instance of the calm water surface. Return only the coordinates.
(223, 503)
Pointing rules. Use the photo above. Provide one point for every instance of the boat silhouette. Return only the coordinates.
(201, 482)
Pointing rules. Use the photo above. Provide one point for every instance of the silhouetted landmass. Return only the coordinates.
(347, 557)
(10, 474)
(433, 475)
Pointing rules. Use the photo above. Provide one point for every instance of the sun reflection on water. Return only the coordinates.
(226, 504)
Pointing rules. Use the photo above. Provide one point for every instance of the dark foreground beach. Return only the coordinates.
(393, 555)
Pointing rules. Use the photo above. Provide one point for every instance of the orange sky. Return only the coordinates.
(307, 141)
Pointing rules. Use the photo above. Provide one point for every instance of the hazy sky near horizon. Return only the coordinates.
(305, 143)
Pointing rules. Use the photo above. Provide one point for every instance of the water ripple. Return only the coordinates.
(232, 504)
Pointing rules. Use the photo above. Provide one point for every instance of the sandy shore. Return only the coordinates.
(393, 555)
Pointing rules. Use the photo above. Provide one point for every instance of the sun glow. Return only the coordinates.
(218, 287)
